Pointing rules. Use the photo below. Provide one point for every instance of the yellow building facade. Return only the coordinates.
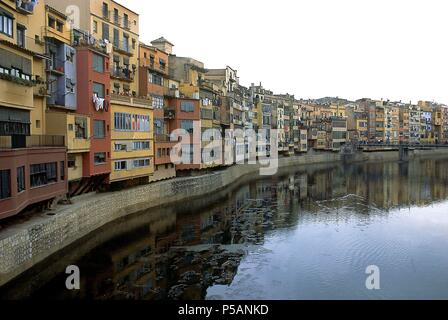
(22, 70)
(132, 139)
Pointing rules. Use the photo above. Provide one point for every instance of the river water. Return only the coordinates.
(309, 234)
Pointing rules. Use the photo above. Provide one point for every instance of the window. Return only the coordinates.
(98, 129)
(116, 18)
(62, 168)
(187, 106)
(187, 125)
(159, 126)
(162, 64)
(5, 184)
(51, 22)
(121, 165)
(20, 179)
(157, 102)
(116, 38)
(126, 42)
(155, 79)
(98, 63)
(95, 26)
(121, 147)
(105, 10)
(60, 26)
(100, 158)
(141, 145)
(139, 163)
(37, 124)
(21, 36)
(69, 86)
(98, 89)
(105, 31)
(6, 24)
(125, 21)
(71, 163)
(80, 128)
(43, 174)
(131, 122)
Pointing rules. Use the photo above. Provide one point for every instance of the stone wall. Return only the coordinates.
(24, 246)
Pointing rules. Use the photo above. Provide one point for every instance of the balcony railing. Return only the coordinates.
(122, 73)
(25, 7)
(123, 46)
(206, 114)
(144, 102)
(116, 18)
(45, 141)
(35, 141)
(56, 66)
(171, 92)
(19, 80)
(81, 39)
(162, 138)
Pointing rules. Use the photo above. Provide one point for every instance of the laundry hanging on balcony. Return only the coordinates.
(100, 103)
(28, 5)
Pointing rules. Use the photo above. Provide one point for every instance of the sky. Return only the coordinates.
(381, 49)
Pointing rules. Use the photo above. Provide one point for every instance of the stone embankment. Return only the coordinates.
(25, 245)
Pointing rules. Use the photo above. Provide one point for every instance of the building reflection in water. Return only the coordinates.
(187, 249)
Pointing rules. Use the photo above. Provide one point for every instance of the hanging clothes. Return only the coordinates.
(99, 103)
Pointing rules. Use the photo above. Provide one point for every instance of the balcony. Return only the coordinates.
(225, 119)
(116, 18)
(48, 181)
(55, 66)
(131, 101)
(171, 92)
(157, 67)
(123, 47)
(170, 113)
(81, 39)
(162, 138)
(25, 7)
(145, 102)
(21, 80)
(41, 91)
(24, 142)
(122, 73)
(206, 114)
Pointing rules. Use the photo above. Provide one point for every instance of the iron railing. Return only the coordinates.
(34, 141)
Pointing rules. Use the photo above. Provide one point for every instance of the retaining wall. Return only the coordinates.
(22, 247)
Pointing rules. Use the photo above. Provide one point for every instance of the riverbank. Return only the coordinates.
(25, 245)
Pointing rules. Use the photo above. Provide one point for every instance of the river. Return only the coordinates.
(308, 234)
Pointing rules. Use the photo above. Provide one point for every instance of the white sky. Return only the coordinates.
(394, 49)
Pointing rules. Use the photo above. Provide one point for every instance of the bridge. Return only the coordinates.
(403, 148)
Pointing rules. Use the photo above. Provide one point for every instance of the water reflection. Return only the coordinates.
(191, 252)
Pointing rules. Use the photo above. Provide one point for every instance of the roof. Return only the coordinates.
(162, 40)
